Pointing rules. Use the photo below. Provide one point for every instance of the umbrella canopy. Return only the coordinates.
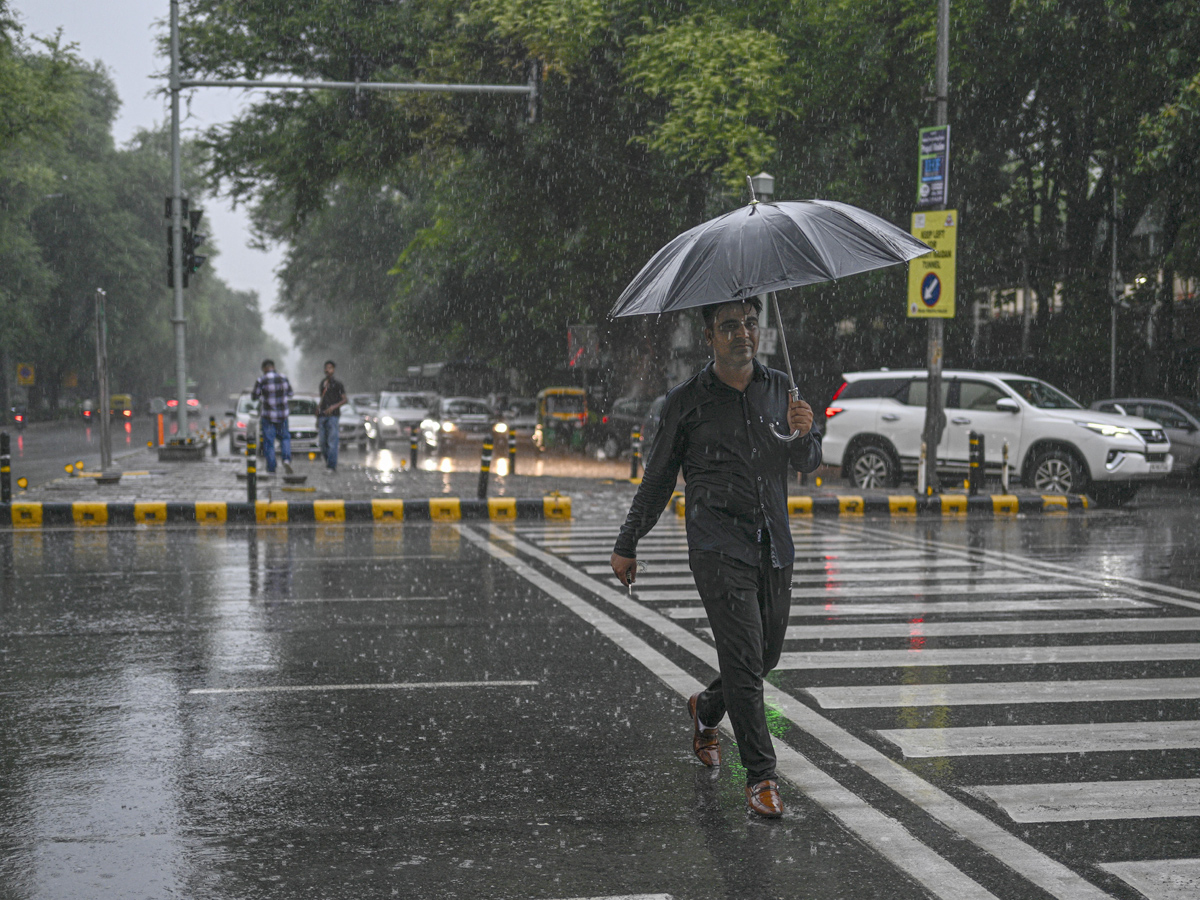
(765, 247)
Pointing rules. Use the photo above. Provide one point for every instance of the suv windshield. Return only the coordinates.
(1039, 394)
(467, 408)
(564, 403)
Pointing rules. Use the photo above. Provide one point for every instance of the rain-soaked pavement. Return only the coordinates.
(965, 709)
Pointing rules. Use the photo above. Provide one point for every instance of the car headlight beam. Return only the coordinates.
(1107, 430)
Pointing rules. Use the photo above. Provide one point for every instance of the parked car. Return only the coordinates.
(243, 419)
(351, 427)
(302, 423)
(398, 412)
(1179, 418)
(562, 413)
(366, 404)
(455, 419)
(874, 421)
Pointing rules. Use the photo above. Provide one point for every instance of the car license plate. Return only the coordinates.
(1159, 467)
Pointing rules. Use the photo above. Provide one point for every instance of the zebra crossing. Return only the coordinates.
(1046, 696)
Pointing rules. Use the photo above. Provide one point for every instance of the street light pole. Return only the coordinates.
(934, 414)
(177, 319)
(102, 382)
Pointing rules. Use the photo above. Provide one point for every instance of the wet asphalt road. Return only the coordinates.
(964, 709)
(40, 452)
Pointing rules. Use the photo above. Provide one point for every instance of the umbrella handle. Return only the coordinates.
(794, 393)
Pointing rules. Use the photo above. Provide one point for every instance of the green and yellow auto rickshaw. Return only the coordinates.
(562, 414)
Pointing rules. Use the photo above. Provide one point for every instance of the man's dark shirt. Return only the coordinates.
(332, 392)
(735, 468)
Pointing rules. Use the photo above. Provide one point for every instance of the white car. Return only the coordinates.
(874, 422)
(398, 412)
(302, 423)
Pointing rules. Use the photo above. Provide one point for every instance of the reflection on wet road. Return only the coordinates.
(478, 711)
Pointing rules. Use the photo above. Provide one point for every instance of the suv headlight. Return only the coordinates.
(1107, 430)
(388, 420)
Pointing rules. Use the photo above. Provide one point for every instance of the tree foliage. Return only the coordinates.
(488, 236)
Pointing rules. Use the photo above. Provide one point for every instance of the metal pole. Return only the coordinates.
(512, 451)
(934, 414)
(212, 433)
(178, 320)
(251, 465)
(102, 380)
(1113, 278)
(485, 465)
(1004, 469)
(635, 456)
(5, 469)
(413, 446)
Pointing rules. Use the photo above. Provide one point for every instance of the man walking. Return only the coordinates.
(273, 390)
(717, 426)
(329, 415)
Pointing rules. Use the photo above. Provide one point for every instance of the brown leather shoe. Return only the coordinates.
(704, 740)
(764, 799)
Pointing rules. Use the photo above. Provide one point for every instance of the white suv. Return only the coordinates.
(874, 422)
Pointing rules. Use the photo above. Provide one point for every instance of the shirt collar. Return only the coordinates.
(709, 379)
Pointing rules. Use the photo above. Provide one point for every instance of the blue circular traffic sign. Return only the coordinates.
(931, 289)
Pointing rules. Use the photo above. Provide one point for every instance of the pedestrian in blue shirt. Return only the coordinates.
(273, 390)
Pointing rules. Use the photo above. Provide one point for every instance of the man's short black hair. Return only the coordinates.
(330, 362)
(268, 362)
(710, 311)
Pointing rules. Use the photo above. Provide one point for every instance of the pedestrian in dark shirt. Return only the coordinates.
(273, 390)
(329, 416)
(717, 427)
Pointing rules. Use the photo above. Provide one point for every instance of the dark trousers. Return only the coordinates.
(747, 608)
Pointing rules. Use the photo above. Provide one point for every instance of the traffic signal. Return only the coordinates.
(191, 240)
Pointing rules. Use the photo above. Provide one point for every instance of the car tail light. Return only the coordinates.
(127, 413)
(172, 403)
(241, 425)
(604, 420)
(193, 402)
(831, 411)
(837, 393)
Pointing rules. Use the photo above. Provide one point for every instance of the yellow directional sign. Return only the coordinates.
(931, 277)
(25, 375)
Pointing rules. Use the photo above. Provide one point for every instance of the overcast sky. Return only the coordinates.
(121, 34)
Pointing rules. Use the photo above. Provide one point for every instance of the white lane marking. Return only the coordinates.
(629, 897)
(1163, 593)
(286, 600)
(1116, 625)
(385, 686)
(847, 580)
(1036, 867)
(923, 607)
(606, 569)
(901, 590)
(1002, 740)
(988, 656)
(883, 834)
(1084, 801)
(1160, 879)
(836, 564)
(1005, 692)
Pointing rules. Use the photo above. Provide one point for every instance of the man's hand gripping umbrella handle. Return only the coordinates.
(793, 391)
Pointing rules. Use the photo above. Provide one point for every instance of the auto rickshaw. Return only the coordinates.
(562, 414)
(120, 406)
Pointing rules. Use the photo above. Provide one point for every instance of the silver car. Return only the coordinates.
(1179, 418)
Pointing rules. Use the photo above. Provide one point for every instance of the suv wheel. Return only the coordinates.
(1057, 472)
(873, 466)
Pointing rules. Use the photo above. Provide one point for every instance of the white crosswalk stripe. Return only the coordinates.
(953, 612)
(1084, 801)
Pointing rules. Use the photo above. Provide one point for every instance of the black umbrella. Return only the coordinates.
(762, 248)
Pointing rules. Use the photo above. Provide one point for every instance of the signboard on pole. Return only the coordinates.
(934, 167)
(25, 375)
(931, 277)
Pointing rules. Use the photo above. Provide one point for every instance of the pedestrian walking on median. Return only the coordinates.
(329, 415)
(718, 427)
(273, 391)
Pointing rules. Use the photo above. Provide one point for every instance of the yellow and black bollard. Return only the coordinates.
(5, 469)
(413, 434)
(512, 451)
(635, 456)
(212, 433)
(976, 462)
(251, 466)
(485, 465)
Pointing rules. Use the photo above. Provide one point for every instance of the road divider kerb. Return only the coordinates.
(85, 514)
(944, 505)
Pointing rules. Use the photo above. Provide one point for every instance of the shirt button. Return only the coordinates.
(760, 478)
